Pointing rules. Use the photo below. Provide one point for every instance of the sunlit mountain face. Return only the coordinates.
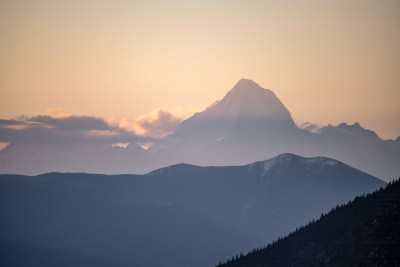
(246, 110)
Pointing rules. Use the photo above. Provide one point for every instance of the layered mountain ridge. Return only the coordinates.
(248, 124)
(182, 215)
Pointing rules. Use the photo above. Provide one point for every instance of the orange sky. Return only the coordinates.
(328, 61)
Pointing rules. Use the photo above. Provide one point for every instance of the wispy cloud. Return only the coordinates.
(73, 123)
(157, 124)
(56, 140)
(122, 145)
(54, 112)
(311, 127)
(3, 145)
(94, 133)
(59, 127)
(46, 129)
(145, 145)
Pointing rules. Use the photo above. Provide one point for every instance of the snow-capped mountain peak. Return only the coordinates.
(248, 99)
(247, 107)
(289, 161)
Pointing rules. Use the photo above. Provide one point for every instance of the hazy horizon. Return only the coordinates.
(160, 122)
(327, 62)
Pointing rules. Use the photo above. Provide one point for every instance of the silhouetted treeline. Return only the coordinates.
(363, 232)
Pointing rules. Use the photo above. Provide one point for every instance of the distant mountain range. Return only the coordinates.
(364, 232)
(182, 215)
(249, 124)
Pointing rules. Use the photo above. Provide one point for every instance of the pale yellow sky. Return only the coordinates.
(328, 61)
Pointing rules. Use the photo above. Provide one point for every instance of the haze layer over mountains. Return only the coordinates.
(182, 215)
(249, 124)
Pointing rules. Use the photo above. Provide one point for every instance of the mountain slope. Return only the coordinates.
(96, 216)
(182, 215)
(364, 232)
(360, 148)
(280, 193)
(20, 254)
(246, 104)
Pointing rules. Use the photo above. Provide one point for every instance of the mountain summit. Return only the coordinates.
(246, 107)
(249, 100)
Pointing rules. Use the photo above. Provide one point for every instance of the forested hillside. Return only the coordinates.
(364, 232)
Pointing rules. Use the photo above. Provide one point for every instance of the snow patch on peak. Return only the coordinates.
(261, 167)
(286, 156)
(330, 162)
(321, 160)
(268, 165)
(311, 160)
